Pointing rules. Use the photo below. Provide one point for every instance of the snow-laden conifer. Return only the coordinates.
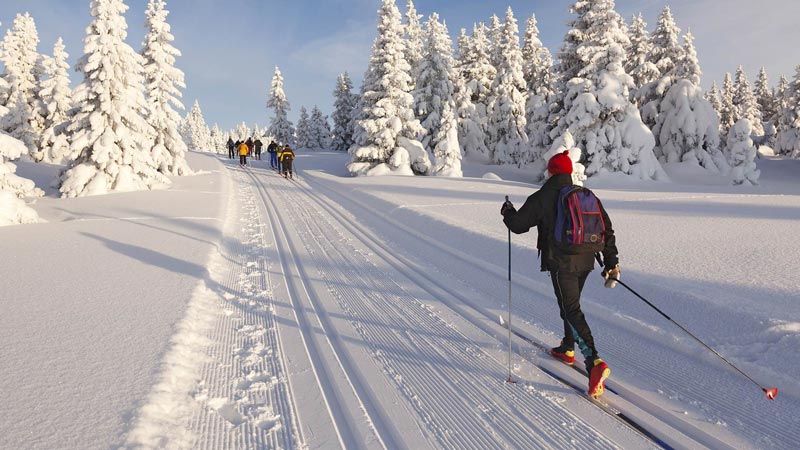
(279, 125)
(742, 154)
(56, 95)
(319, 130)
(764, 96)
(301, 134)
(789, 122)
(110, 136)
(474, 63)
(197, 135)
(344, 107)
(540, 82)
(243, 132)
(218, 140)
(163, 82)
(415, 38)
(638, 65)
(493, 32)
(597, 109)
(745, 103)
(434, 99)
(666, 51)
(713, 97)
(471, 134)
(780, 95)
(23, 72)
(506, 135)
(387, 131)
(13, 188)
(727, 110)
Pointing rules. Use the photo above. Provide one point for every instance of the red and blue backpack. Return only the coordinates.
(580, 227)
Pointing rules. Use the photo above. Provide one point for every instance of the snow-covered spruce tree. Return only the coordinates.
(712, 96)
(638, 64)
(687, 124)
(343, 108)
(742, 154)
(493, 35)
(745, 103)
(506, 135)
(197, 136)
(319, 131)
(539, 78)
(243, 132)
(789, 122)
(218, 140)
(473, 88)
(780, 95)
(23, 73)
(279, 124)
(764, 96)
(257, 133)
(565, 142)
(597, 109)
(387, 132)
(727, 110)
(13, 188)
(434, 102)
(110, 136)
(163, 82)
(302, 131)
(56, 95)
(415, 38)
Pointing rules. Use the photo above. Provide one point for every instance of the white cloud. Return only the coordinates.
(348, 49)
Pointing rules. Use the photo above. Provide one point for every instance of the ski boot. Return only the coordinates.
(598, 372)
(564, 354)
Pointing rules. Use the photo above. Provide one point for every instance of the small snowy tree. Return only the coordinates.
(712, 96)
(415, 38)
(163, 82)
(764, 96)
(197, 135)
(218, 140)
(243, 132)
(110, 136)
(540, 80)
(727, 110)
(13, 188)
(319, 131)
(435, 105)
(302, 132)
(745, 104)
(780, 96)
(742, 154)
(386, 135)
(23, 72)
(279, 125)
(344, 107)
(789, 123)
(56, 96)
(597, 109)
(638, 65)
(506, 135)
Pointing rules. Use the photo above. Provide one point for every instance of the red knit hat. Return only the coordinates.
(561, 163)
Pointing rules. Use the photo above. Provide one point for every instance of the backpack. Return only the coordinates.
(580, 228)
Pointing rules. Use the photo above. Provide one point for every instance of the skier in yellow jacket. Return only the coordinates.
(287, 158)
(243, 150)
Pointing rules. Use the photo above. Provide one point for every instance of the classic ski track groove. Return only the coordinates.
(345, 429)
(245, 347)
(438, 353)
(640, 366)
(709, 440)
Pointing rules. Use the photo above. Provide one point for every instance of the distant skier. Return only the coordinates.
(568, 271)
(243, 151)
(272, 149)
(249, 143)
(231, 148)
(287, 160)
(257, 144)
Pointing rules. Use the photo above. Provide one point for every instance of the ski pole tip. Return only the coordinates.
(771, 393)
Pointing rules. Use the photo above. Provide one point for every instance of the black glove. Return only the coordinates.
(507, 207)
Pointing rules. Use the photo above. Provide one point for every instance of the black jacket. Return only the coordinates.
(258, 144)
(539, 211)
(272, 147)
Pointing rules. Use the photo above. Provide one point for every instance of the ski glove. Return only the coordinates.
(507, 208)
(611, 276)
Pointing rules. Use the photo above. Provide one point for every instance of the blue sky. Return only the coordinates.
(230, 47)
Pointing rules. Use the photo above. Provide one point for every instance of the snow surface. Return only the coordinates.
(241, 310)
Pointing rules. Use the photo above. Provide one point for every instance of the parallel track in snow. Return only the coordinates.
(634, 413)
(420, 346)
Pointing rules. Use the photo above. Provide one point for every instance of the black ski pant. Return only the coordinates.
(568, 287)
(243, 160)
(230, 153)
(287, 166)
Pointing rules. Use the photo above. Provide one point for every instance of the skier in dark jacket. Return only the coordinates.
(257, 144)
(287, 160)
(231, 148)
(272, 149)
(249, 143)
(568, 272)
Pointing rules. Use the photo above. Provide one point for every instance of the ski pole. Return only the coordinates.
(509, 380)
(771, 392)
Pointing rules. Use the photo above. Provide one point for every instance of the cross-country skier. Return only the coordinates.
(568, 272)
(287, 159)
(249, 143)
(257, 144)
(231, 147)
(243, 151)
(272, 149)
